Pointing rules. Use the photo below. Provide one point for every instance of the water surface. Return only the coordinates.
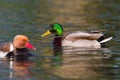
(32, 18)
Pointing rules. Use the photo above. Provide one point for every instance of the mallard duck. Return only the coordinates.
(81, 39)
(17, 47)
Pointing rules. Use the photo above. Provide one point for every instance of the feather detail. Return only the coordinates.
(82, 35)
(106, 40)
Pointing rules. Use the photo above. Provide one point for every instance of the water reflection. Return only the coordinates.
(19, 68)
(82, 64)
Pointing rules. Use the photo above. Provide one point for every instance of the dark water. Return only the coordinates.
(32, 18)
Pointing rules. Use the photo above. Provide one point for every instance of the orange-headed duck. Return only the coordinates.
(17, 47)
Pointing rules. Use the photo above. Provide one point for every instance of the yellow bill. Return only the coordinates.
(46, 33)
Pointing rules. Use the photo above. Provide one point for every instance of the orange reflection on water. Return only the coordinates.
(20, 67)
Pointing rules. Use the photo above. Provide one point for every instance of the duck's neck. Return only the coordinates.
(57, 41)
(57, 45)
(19, 51)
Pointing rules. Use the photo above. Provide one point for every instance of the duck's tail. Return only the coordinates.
(106, 40)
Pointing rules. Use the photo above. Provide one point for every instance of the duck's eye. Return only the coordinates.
(53, 31)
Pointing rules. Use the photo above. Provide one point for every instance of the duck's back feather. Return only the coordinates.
(5, 46)
(82, 43)
(82, 35)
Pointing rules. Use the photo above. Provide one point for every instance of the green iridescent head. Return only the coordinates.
(55, 28)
